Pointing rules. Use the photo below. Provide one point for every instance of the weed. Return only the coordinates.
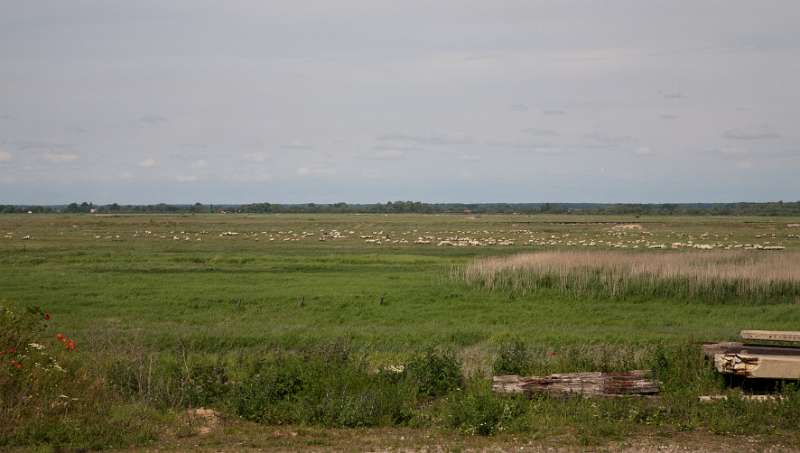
(513, 357)
(435, 373)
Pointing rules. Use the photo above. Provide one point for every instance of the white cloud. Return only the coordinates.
(306, 171)
(250, 177)
(148, 163)
(608, 139)
(744, 164)
(152, 120)
(256, 157)
(58, 158)
(548, 150)
(189, 178)
(5, 156)
(384, 154)
(672, 95)
(751, 133)
(298, 145)
(511, 144)
(643, 151)
(541, 132)
(426, 139)
(199, 164)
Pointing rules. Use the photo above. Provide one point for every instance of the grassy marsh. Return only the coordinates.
(163, 324)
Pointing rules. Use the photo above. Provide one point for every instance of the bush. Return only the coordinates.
(477, 411)
(161, 382)
(683, 370)
(29, 358)
(206, 384)
(513, 357)
(435, 373)
(48, 397)
(266, 394)
(332, 393)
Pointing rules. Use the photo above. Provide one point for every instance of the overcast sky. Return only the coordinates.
(363, 101)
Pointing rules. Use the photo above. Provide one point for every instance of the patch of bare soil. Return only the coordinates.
(214, 434)
(203, 421)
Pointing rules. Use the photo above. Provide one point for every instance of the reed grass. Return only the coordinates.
(706, 276)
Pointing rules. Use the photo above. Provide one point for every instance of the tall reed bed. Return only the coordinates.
(758, 277)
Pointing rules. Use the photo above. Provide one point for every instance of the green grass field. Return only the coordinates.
(230, 289)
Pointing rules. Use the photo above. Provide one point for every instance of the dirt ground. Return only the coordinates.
(209, 434)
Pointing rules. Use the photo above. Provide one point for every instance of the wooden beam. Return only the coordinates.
(636, 382)
(771, 335)
(757, 398)
(712, 349)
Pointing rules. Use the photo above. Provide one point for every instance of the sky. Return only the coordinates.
(183, 101)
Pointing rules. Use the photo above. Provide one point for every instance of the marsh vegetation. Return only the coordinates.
(340, 333)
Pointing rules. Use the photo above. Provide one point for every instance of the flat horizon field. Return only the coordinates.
(230, 281)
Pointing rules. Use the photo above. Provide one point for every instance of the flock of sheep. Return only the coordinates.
(621, 236)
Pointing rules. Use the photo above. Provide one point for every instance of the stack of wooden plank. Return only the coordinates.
(763, 354)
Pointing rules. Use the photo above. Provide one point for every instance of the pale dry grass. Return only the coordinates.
(757, 276)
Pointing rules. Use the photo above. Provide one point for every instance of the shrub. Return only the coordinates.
(513, 357)
(435, 373)
(477, 411)
(333, 393)
(158, 381)
(48, 397)
(29, 359)
(206, 384)
(265, 395)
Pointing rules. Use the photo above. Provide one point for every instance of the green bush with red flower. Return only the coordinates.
(51, 395)
(26, 348)
(34, 382)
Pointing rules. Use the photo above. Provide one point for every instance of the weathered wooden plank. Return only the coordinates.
(636, 382)
(771, 335)
(712, 349)
(757, 398)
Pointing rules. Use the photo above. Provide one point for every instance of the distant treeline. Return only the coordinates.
(778, 208)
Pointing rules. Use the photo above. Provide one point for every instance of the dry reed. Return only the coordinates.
(714, 276)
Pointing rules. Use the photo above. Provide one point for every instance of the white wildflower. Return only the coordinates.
(394, 368)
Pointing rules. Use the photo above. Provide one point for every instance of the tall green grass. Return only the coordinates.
(758, 277)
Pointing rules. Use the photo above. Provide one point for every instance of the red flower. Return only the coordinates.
(551, 354)
(16, 364)
(70, 345)
(60, 337)
(46, 316)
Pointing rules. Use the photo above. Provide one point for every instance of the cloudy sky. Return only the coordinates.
(370, 100)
